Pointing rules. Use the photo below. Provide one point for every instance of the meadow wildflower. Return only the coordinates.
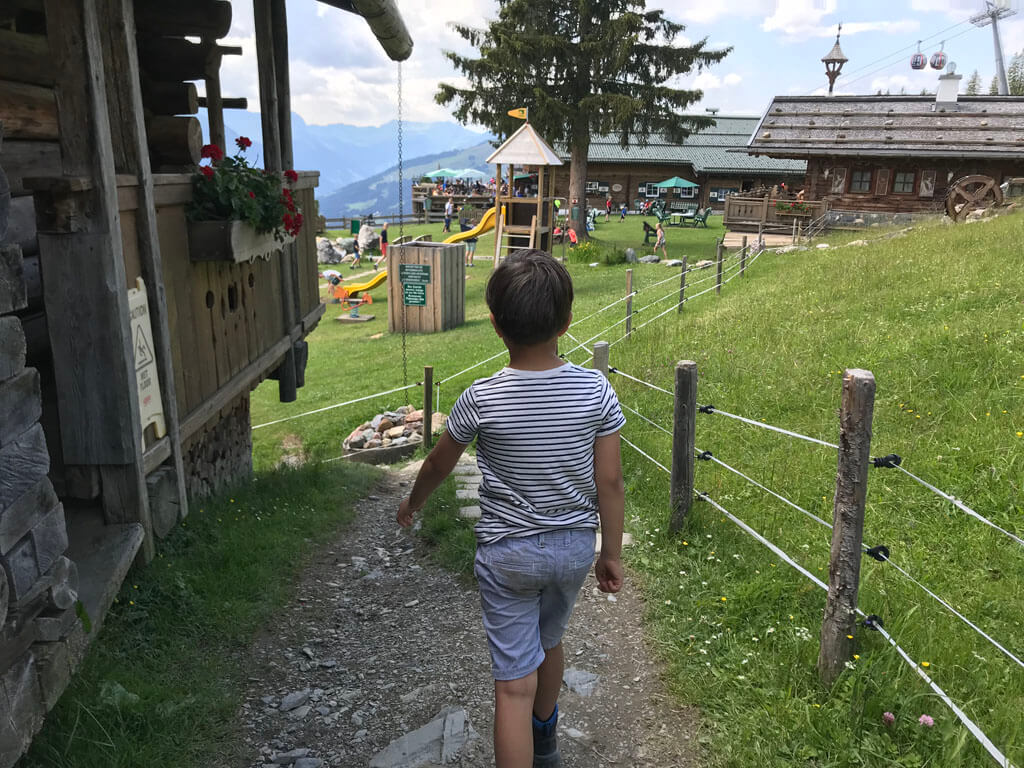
(926, 720)
(888, 718)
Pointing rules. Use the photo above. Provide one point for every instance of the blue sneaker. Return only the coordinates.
(545, 742)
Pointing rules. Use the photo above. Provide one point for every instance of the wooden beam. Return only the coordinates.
(385, 22)
(127, 83)
(170, 98)
(183, 18)
(85, 284)
(171, 59)
(214, 104)
(28, 111)
(174, 141)
(25, 58)
(29, 158)
(229, 103)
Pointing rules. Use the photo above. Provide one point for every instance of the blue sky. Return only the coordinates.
(340, 74)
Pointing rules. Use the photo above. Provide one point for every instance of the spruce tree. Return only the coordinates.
(581, 67)
(1015, 75)
(974, 84)
(993, 88)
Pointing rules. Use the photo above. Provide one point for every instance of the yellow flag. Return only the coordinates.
(518, 113)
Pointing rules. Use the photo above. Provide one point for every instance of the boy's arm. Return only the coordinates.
(436, 468)
(611, 506)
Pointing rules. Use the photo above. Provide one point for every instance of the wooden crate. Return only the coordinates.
(445, 294)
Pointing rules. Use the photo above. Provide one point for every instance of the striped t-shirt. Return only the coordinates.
(535, 435)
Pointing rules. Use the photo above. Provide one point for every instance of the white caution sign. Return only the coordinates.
(151, 408)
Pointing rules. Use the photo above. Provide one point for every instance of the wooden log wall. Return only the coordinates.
(221, 456)
(881, 198)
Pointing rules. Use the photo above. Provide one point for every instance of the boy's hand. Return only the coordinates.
(405, 513)
(609, 573)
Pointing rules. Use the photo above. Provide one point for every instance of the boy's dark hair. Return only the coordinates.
(530, 296)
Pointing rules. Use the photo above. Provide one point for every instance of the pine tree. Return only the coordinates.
(974, 84)
(1015, 75)
(580, 66)
(993, 88)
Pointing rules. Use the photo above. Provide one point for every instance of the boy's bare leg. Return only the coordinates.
(513, 726)
(549, 683)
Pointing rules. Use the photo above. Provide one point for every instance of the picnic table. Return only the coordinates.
(681, 218)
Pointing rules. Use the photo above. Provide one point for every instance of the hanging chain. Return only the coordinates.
(401, 226)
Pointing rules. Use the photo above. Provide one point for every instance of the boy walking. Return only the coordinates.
(547, 436)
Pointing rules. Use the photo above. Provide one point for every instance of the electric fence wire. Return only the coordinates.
(645, 455)
(762, 425)
(605, 308)
(962, 716)
(654, 424)
(662, 314)
(648, 384)
(339, 405)
(960, 505)
(883, 555)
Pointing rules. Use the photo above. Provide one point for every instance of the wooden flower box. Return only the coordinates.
(231, 241)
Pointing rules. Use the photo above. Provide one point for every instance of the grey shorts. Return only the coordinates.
(528, 587)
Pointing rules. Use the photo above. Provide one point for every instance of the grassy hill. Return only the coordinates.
(937, 316)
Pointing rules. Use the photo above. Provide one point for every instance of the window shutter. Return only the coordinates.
(882, 182)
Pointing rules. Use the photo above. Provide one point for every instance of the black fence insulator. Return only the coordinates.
(612, 369)
(706, 408)
(873, 622)
(887, 462)
(705, 455)
(880, 553)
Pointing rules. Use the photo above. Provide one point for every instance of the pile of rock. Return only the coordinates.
(391, 429)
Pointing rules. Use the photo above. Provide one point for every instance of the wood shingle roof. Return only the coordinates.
(907, 126)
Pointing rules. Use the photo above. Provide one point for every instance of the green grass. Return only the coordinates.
(162, 684)
(937, 317)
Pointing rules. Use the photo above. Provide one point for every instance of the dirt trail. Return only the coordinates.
(378, 639)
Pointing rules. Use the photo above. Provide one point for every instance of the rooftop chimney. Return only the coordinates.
(949, 87)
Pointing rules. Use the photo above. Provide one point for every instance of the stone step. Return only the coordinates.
(470, 513)
(465, 480)
(467, 493)
(467, 468)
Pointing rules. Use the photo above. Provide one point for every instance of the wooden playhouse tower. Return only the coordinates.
(524, 222)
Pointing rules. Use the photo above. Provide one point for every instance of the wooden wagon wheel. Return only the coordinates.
(971, 192)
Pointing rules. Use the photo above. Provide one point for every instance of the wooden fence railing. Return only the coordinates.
(764, 214)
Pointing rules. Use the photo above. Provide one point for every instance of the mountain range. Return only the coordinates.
(345, 154)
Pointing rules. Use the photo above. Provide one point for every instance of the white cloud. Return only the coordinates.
(732, 79)
(792, 16)
(704, 12)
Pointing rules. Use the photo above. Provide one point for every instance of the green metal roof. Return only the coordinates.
(708, 151)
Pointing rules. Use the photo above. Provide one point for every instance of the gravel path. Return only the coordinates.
(378, 639)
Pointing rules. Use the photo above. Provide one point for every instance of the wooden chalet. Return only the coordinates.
(126, 363)
(894, 154)
(630, 174)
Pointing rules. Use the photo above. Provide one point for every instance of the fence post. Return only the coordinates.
(718, 256)
(682, 285)
(684, 423)
(629, 303)
(428, 406)
(794, 230)
(743, 258)
(840, 616)
(601, 356)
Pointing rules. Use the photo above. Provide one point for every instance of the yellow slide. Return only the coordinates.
(357, 288)
(486, 225)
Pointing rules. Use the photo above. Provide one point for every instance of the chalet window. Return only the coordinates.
(927, 184)
(904, 183)
(720, 193)
(860, 181)
(882, 182)
(838, 181)
(685, 191)
(652, 189)
(593, 187)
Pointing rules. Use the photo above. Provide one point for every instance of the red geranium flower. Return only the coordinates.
(207, 171)
(292, 176)
(243, 142)
(252, 194)
(213, 152)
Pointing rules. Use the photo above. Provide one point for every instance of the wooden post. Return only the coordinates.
(428, 406)
(682, 286)
(629, 303)
(743, 258)
(124, 86)
(684, 424)
(214, 102)
(263, 18)
(794, 230)
(85, 284)
(837, 626)
(718, 278)
(601, 356)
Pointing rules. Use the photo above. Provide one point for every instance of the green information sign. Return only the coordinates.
(418, 274)
(414, 294)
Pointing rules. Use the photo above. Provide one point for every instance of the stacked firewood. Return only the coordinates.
(222, 455)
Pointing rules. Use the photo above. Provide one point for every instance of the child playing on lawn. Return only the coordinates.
(547, 436)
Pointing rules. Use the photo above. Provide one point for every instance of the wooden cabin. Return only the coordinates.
(893, 154)
(708, 158)
(126, 362)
